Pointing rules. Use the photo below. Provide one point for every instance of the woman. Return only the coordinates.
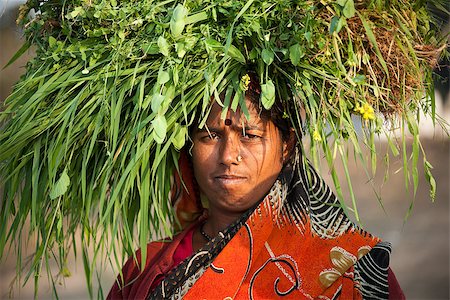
(272, 227)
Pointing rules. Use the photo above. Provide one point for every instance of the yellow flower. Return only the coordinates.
(357, 108)
(245, 81)
(366, 111)
(316, 136)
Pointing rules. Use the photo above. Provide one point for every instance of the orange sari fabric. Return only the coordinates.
(270, 257)
(297, 243)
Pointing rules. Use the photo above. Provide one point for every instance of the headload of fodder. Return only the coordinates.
(91, 134)
(405, 72)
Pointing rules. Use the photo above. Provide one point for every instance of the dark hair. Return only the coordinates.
(278, 113)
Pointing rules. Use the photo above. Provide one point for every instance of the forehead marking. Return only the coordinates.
(227, 122)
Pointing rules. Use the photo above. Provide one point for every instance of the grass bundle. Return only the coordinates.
(91, 134)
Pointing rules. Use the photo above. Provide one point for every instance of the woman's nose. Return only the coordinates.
(230, 150)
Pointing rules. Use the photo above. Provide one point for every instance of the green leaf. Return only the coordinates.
(336, 24)
(163, 77)
(18, 54)
(213, 44)
(236, 100)
(160, 128)
(179, 138)
(76, 11)
(333, 24)
(164, 47)
(268, 94)
(226, 102)
(373, 41)
(198, 17)
(51, 41)
(233, 52)
(178, 20)
(236, 54)
(267, 56)
(60, 187)
(430, 178)
(156, 101)
(296, 52)
(348, 7)
(253, 54)
(308, 36)
(150, 48)
(83, 52)
(181, 49)
(121, 35)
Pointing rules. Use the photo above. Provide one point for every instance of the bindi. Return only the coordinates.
(227, 122)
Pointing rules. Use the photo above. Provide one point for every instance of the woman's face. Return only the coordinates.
(236, 161)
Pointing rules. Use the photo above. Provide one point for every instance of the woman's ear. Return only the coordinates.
(289, 146)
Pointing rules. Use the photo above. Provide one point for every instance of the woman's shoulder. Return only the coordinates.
(163, 248)
(135, 279)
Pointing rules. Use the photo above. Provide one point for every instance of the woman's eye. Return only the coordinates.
(211, 136)
(249, 136)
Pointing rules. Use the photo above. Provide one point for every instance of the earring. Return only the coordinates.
(239, 158)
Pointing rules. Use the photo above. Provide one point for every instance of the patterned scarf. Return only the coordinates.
(297, 243)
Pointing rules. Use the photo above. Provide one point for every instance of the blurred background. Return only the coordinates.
(421, 242)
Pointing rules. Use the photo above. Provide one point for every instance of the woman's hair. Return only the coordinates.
(278, 113)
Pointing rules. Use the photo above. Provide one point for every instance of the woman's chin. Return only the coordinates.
(234, 204)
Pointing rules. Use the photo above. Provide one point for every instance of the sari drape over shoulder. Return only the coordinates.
(296, 243)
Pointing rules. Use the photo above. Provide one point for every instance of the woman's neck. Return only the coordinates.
(218, 221)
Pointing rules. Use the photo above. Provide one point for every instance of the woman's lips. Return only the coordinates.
(229, 179)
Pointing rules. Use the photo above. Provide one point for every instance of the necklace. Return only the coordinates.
(204, 234)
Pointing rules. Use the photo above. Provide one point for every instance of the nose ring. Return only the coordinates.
(239, 158)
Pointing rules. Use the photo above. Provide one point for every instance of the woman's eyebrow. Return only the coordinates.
(208, 129)
(260, 126)
(253, 127)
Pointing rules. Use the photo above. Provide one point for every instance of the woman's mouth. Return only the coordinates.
(226, 179)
